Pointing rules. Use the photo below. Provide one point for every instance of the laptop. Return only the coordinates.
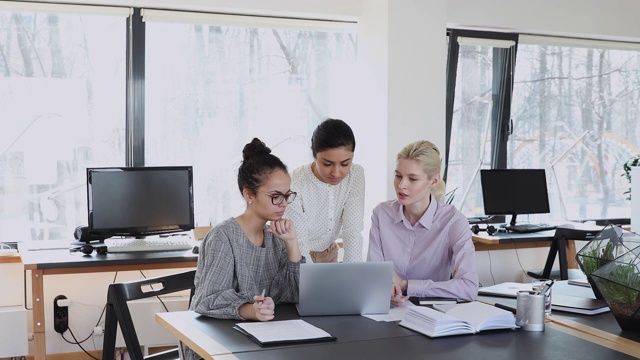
(506, 289)
(345, 288)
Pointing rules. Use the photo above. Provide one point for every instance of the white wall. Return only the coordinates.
(402, 52)
(417, 82)
(370, 104)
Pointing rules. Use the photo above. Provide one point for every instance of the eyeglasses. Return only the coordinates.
(278, 197)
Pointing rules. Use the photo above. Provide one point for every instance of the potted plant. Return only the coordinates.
(619, 283)
(603, 248)
(626, 167)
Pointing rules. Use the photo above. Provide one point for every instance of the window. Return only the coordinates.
(575, 113)
(572, 110)
(214, 82)
(62, 95)
(477, 78)
(211, 83)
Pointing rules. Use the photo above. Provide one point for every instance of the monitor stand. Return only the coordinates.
(94, 243)
(513, 220)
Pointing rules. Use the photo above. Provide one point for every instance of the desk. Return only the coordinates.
(360, 337)
(61, 261)
(602, 328)
(505, 241)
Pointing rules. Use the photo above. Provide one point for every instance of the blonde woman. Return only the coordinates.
(428, 241)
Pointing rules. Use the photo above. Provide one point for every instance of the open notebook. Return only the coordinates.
(466, 318)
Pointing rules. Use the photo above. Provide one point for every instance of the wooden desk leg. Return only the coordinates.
(571, 255)
(37, 298)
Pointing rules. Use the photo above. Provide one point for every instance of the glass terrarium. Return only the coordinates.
(610, 243)
(619, 283)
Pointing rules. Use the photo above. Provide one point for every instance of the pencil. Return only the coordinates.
(263, 292)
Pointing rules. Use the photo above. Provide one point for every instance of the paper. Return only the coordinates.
(48, 244)
(396, 313)
(282, 331)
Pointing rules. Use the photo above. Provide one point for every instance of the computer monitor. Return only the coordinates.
(139, 201)
(514, 191)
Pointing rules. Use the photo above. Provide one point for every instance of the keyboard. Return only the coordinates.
(153, 243)
(529, 228)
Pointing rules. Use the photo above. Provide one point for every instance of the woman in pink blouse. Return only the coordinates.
(428, 241)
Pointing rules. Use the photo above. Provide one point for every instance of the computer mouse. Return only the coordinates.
(196, 249)
(567, 226)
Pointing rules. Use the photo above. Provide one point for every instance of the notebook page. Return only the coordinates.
(273, 331)
(434, 323)
(396, 313)
(482, 316)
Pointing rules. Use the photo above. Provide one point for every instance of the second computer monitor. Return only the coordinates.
(514, 192)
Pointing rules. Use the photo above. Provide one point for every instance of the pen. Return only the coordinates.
(547, 286)
(499, 305)
(541, 289)
(263, 292)
(505, 307)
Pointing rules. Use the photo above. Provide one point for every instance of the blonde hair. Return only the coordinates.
(426, 154)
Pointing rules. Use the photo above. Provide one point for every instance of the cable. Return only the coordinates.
(517, 255)
(104, 309)
(158, 297)
(78, 343)
(76, 340)
(491, 270)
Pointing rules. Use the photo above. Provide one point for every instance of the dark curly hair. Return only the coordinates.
(331, 134)
(257, 164)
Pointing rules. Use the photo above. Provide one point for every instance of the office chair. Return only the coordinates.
(118, 312)
(559, 247)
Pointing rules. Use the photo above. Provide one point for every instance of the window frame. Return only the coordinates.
(501, 114)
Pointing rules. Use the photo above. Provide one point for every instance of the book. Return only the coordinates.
(578, 305)
(430, 300)
(271, 333)
(466, 318)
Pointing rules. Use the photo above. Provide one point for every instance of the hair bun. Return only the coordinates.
(254, 149)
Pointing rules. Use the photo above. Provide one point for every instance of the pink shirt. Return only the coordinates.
(427, 253)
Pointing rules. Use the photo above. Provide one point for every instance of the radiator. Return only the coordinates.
(14, 336)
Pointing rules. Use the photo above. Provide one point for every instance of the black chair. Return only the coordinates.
(559, 246)
(118, 312)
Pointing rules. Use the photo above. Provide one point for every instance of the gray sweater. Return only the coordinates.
(232, 270)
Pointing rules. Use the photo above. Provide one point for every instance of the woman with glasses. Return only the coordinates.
(429, 242)
(330, 196)
(245, 266)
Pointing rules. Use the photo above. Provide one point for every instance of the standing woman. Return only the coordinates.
(428, 241)
(331, 196)
(246, 267)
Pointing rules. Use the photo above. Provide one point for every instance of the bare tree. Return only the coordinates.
(57, 59)
(23, 44)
